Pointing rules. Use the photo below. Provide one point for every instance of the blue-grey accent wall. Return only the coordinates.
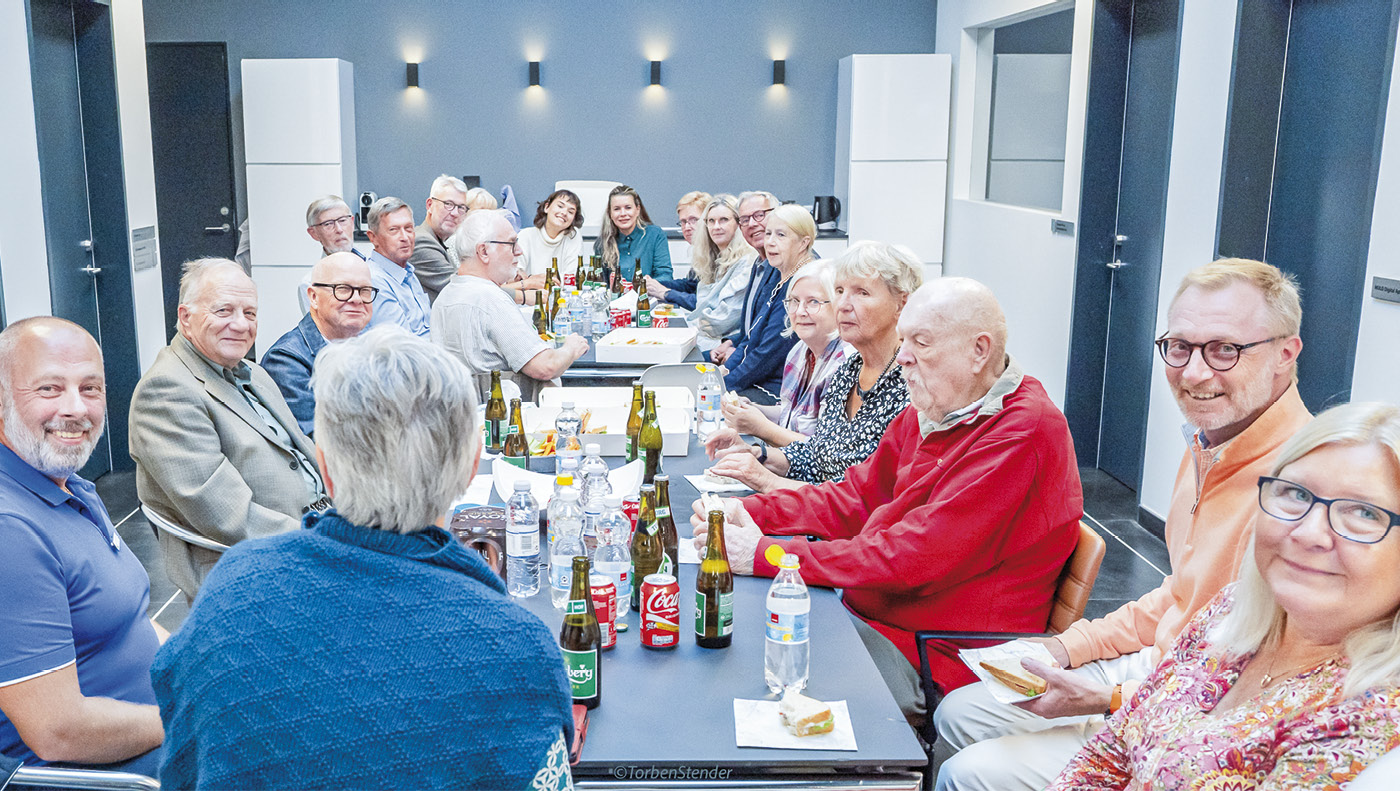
(717, 123)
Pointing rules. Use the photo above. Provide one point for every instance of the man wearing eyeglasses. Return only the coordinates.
(476, 320)
(1230, 350)
(401, 299)
(754, 208)
(341, 301)
(331, 223)
(447, 207)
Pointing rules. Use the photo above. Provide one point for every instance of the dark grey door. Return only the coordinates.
(80, 163)
(1132, 89)
(191, 139)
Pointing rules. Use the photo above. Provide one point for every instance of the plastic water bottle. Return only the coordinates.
(592, 515)
(569, 460)
(612, 557)
(580, 315)
(786, 649)
(562, 325)
(708, 417)
(522, 542)
(594, 472)
(563, 482)
(567, 425)
(602, 311)
(566, 523)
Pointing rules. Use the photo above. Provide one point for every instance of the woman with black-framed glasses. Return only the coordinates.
(1291, 676)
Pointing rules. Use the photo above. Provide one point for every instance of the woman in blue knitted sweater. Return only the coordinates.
(368, 649)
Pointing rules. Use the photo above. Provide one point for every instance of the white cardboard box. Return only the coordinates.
(675, 428)
(649, 346)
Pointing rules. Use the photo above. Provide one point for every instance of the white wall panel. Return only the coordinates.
(899, 106)
(24, 256)
(277, 199)
(292, 110)
(900, 203)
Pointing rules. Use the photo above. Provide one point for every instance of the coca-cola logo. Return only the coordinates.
(580, 675)
(663, 600)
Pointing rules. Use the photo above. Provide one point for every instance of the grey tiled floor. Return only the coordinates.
(1135, 561)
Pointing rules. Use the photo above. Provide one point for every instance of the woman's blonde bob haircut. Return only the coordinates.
(706, 258)
(900, 270)
(1256, 618)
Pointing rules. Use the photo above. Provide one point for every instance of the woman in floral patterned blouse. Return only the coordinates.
(864, 394)
(1289, 678)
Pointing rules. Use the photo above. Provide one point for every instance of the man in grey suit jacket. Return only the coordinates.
(447, 206)
(217, 450)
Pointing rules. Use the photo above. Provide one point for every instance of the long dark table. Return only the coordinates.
(667, 717)
(588, 369)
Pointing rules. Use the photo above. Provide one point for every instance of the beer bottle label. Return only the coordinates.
(725, 626)
(576, 607)
(665, 567)
(662, 513)
(629, 447)
(582, 667)
(514, 429)
(787, 627)
(643, 318)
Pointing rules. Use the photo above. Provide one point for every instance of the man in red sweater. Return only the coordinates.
(963, 516)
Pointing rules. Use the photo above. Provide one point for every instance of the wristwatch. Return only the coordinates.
(762, 450)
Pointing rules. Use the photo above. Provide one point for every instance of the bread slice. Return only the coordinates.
(804, 716)
(1010, 673)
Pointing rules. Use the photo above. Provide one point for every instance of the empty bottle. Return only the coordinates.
(567, 425)
(612, 556)
(522, 542)
(786, 650)
(594, 472)
(566, 522)
(708, 417)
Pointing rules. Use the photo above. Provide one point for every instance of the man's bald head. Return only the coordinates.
(954, 344)
(347, 274)
(53, 394)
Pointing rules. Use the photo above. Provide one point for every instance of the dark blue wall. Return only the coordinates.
(717, 125)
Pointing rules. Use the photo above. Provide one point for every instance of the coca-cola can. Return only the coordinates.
(660, 321)
(604, 593)
(570, 280)
(621, 317)
(631, 507)
(661, 611)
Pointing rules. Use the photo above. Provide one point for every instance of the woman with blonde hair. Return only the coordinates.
(1291, 676)
(628, 238)
(722, 264)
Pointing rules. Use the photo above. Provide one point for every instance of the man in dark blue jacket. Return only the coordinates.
(341, 303)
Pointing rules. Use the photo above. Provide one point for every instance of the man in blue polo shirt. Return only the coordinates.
(75, 644)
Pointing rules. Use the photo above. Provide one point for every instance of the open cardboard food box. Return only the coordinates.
(675, 428)
(646, 346)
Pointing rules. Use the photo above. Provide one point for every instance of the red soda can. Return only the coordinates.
(661, 611)
(604, 593)
(570, 280)
(660, 321)
(621, 317)
(631, 506)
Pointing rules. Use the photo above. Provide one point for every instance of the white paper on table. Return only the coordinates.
(478, 493)
(757, 724)
(1016, 649)
(701, 485)
(625, 480)
(627, 301)
(687, 552)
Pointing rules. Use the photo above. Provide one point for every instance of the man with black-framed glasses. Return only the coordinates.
(341, 302)
(331, 223)
(1230, 352)
(445, 210)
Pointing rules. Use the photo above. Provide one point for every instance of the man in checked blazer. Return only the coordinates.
(217, 450)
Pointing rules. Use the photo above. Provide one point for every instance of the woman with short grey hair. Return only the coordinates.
(372, 607)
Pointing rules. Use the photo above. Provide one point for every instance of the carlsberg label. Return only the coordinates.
(582, 668)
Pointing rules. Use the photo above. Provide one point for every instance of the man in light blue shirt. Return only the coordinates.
(401, 298)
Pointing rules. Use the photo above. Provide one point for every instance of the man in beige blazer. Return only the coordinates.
(217, 450)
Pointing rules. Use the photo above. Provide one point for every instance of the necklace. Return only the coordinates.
(1270, 678)
(863, 392)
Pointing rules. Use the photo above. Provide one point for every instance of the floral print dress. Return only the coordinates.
(1298, 734)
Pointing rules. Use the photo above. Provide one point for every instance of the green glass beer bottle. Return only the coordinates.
(649, 440)
(580, 640)
(714, 590)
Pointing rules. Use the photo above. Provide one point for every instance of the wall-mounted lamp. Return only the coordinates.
(534, 73)
(413, 75)
(656, 72)
(779, 72)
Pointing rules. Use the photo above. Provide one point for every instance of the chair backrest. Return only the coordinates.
(93, 780)
(1077, 580)
(593, 201)
(672, 375)
(163, 525)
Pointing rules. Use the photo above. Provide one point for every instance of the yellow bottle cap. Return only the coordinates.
(774, 554)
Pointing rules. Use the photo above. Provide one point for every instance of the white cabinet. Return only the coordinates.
(892, 149)
(299, 140)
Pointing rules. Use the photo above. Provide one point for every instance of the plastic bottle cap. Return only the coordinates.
(522, 486)
(789, 561)
(774, 554)
(612, 501)
(569, 494)
(567, 404)
(593, 449)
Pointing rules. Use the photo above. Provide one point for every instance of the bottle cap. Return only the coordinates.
(522, 486)
(789, 561)
(567, 405)
(593, 449)
(612, 501)
(569, 494)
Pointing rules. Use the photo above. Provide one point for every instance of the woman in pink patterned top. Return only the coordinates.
(1289, 678)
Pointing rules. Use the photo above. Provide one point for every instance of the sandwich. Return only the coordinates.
(720, 480)
(1010, 673)
(805, 716)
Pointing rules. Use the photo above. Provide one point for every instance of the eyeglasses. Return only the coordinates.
(330, 224)
(690, 221)
(758, 216)
(344, 291)
(810, 305)
(452, 208)
(1219, 355)
(1353, 520)
(514, 243)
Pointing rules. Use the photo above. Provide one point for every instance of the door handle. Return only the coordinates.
(1116, 264)
(91, 270)
(225, 228)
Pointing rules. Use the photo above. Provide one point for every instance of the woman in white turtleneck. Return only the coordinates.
(554, 235)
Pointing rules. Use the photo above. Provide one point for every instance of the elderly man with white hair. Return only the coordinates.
(447, 207)
(476, 320)
(963, 516)
(401, 298)
(331, 223)
(217, 450)
(369, 648)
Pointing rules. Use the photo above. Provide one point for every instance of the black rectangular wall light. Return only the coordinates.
(413, 75)
(656, 72)
(779, 72)
(534, 73)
